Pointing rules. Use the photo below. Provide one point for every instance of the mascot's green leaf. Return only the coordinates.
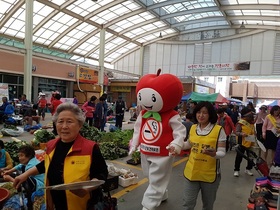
(154, 115)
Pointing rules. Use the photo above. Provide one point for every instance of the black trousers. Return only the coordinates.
(238, 159)
(119, 120)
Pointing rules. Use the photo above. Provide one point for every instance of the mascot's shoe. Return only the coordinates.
(144, 208)
(165, 196)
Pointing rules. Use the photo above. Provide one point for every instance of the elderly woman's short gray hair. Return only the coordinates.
(69, 106)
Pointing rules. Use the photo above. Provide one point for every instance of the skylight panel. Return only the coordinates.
(159, 24)
(58, 2)
(122, 50)
(130, 46)
(110, 45)
(121, 25)
(118, 40)
(269, 2)
(248, 2)
(149, 27)
(114, 55)
(40, 40)
(146, 15)
(251, 12)
(120, 9)
(270, 12)
(271, 23)
(149, 37)
(234, 12)
(131, 5)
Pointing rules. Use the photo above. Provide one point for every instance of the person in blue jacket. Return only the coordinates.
(5, 103)
(27, 159)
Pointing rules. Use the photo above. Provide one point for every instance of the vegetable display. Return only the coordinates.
(42, 136)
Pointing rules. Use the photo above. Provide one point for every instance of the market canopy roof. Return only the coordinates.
(213, 98)
(70, 29)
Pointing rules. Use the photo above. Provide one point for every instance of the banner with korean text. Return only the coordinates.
(88, 75)
(219, 66)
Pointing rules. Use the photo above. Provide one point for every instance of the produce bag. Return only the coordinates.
(12, 132)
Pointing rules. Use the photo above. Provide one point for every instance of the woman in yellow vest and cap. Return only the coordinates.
(245, 132)
(207, 142)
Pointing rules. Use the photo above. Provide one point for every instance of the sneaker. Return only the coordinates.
(249, 172)
(236, 173)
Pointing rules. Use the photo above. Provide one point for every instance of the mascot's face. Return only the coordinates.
(150, 99)
(159, 93)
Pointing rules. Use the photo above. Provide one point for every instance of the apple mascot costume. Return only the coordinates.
(157, 128)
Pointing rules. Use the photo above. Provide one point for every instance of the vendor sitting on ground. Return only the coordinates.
(31, 114)
(27, 159)
(6, 161)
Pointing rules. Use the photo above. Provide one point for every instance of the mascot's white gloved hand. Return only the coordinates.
(131, 150)
(173, 149)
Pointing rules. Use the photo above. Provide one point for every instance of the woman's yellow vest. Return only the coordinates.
(248, 129)
(77, 165)
(201, 167)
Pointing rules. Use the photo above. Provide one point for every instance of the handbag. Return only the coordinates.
(107, 203)
(104, 202)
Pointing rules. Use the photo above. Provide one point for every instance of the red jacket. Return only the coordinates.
(227, 124)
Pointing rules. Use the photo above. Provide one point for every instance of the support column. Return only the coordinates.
(141, 61)
(27, 78)
(101, 61)
(245, 91)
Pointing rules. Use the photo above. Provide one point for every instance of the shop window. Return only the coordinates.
(10, 79)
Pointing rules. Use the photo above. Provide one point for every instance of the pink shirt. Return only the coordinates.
(267, 125)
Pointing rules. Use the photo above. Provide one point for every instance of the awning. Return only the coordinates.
(214, 98)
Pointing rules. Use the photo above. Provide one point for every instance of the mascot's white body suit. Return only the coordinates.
(157, 127)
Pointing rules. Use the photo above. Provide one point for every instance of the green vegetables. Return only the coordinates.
(90, 132)
(12, 148)
(42, 136)
(112, 145)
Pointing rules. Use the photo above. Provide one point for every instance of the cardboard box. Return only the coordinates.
(128, 181)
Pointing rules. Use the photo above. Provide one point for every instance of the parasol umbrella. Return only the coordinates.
(236, 101)
(274, 103)
(214, 98)
(186, 97)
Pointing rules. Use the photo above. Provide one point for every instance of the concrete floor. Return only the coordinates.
(233, 192)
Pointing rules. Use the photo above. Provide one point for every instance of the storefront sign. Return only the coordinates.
(120, 89)
(219, 66)
(88, 75)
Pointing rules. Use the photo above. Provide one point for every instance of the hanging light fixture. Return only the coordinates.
(242, 25)
(160, 35)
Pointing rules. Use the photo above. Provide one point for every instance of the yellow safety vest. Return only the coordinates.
(201, 167)
(249, 130)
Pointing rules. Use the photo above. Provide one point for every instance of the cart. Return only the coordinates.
(258, 163)
(261, 167)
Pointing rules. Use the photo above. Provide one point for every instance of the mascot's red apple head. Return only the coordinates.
(159, 93)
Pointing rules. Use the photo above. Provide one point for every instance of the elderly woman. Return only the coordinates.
(69, 158)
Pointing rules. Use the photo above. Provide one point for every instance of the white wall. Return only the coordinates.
(174, 58)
